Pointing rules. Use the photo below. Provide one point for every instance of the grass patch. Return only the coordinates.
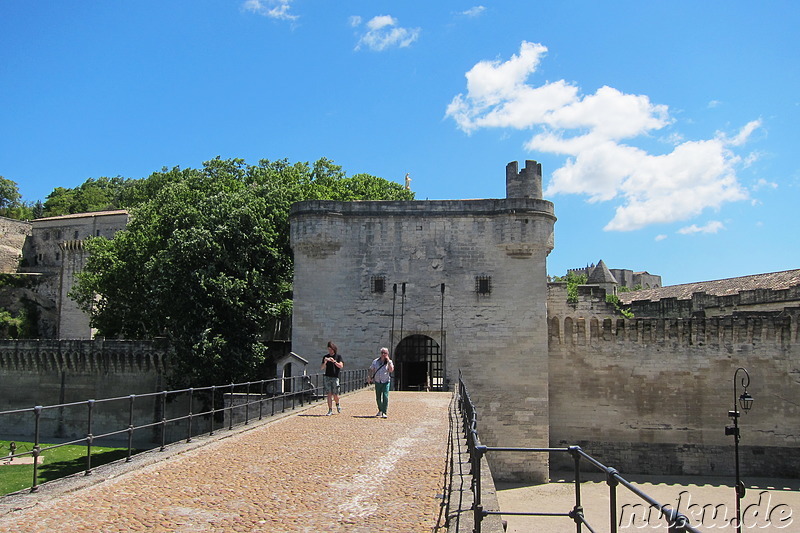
(56, 463)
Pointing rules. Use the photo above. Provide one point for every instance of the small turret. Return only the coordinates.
(525, 184)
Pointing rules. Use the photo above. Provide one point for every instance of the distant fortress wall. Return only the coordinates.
(652, 395)
(712, 305)
(52, 372)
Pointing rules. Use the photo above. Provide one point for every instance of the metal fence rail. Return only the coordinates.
(245, 403)
(675, 521)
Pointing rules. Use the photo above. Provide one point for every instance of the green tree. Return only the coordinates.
(572, 280)
(92, 195)
(9, 193)
(206, 260)
(614, 300)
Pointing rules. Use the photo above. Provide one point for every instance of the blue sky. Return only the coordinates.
(667, 131)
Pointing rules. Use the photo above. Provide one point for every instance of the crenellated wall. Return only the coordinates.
(652, 395)
(53, 372)
(759, 300)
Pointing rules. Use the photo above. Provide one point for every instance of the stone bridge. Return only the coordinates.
(300, 472)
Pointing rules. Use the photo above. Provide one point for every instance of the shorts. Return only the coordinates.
(330, 385)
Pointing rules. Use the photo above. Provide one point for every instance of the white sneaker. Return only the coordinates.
(384, 415)
(338, 408)
(330, 412)
(378, 414)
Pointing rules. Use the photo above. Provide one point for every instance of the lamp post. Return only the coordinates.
(745, 402)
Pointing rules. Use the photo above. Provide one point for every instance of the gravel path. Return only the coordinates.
(303, 473)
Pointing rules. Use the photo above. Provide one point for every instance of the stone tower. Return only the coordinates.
(525, 184)
(451, 287)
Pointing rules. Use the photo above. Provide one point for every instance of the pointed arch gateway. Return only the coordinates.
(419, 364)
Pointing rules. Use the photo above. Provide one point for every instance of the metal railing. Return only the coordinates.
(245, 402)
(676, 522)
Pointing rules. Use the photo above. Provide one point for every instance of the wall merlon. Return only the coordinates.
(701, 303)
(82, 356)
(740, 328)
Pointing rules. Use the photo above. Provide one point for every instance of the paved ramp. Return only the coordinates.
(302, 473)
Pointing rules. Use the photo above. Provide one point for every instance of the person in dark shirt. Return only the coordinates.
(332, 364)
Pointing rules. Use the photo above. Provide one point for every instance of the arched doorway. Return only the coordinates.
(287, 377)
(418, 364)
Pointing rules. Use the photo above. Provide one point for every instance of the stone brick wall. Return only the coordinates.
(50, 372)
(54, 250)
(498, 339)
(711, 305)
(12, 238)
(73, 322)
(42, 250)
(591, 302)
(652, 395)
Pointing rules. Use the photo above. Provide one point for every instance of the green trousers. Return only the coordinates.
(382, 396)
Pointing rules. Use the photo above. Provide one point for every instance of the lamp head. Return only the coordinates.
(745, 401)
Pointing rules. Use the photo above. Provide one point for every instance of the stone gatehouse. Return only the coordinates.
(448, 286)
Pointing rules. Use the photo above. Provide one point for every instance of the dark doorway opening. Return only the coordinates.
(418, 364)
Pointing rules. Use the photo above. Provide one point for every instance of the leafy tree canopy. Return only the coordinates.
(9, 193)
(93, 195)
(206, 262)
(573, 280)
(11, 204)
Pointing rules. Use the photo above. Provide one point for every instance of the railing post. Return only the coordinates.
(213, 407)
(130, 428)
(477, 454)
(298, 392)
(261, 400)
(272, 398)
(37, 413)
(612, 482)
(230, 407)
(189, 416)
(89, 439)
(247, 404)
(163, 420)
(577, 512)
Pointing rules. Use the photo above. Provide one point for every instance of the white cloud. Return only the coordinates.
(355, 21)
(714, 103)
(660, 237)
(474, 11)
(383, 32)
(712, 227)
(741, 137)
(762, 183)
(595, 133)
(276, 9)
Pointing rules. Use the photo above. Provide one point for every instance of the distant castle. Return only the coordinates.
(613, 278)
(48, 252)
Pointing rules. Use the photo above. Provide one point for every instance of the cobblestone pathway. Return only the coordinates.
(303, 473)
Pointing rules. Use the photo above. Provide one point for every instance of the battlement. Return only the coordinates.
(94, 357)
(524, 184)
(769, 328)
(714, 305)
